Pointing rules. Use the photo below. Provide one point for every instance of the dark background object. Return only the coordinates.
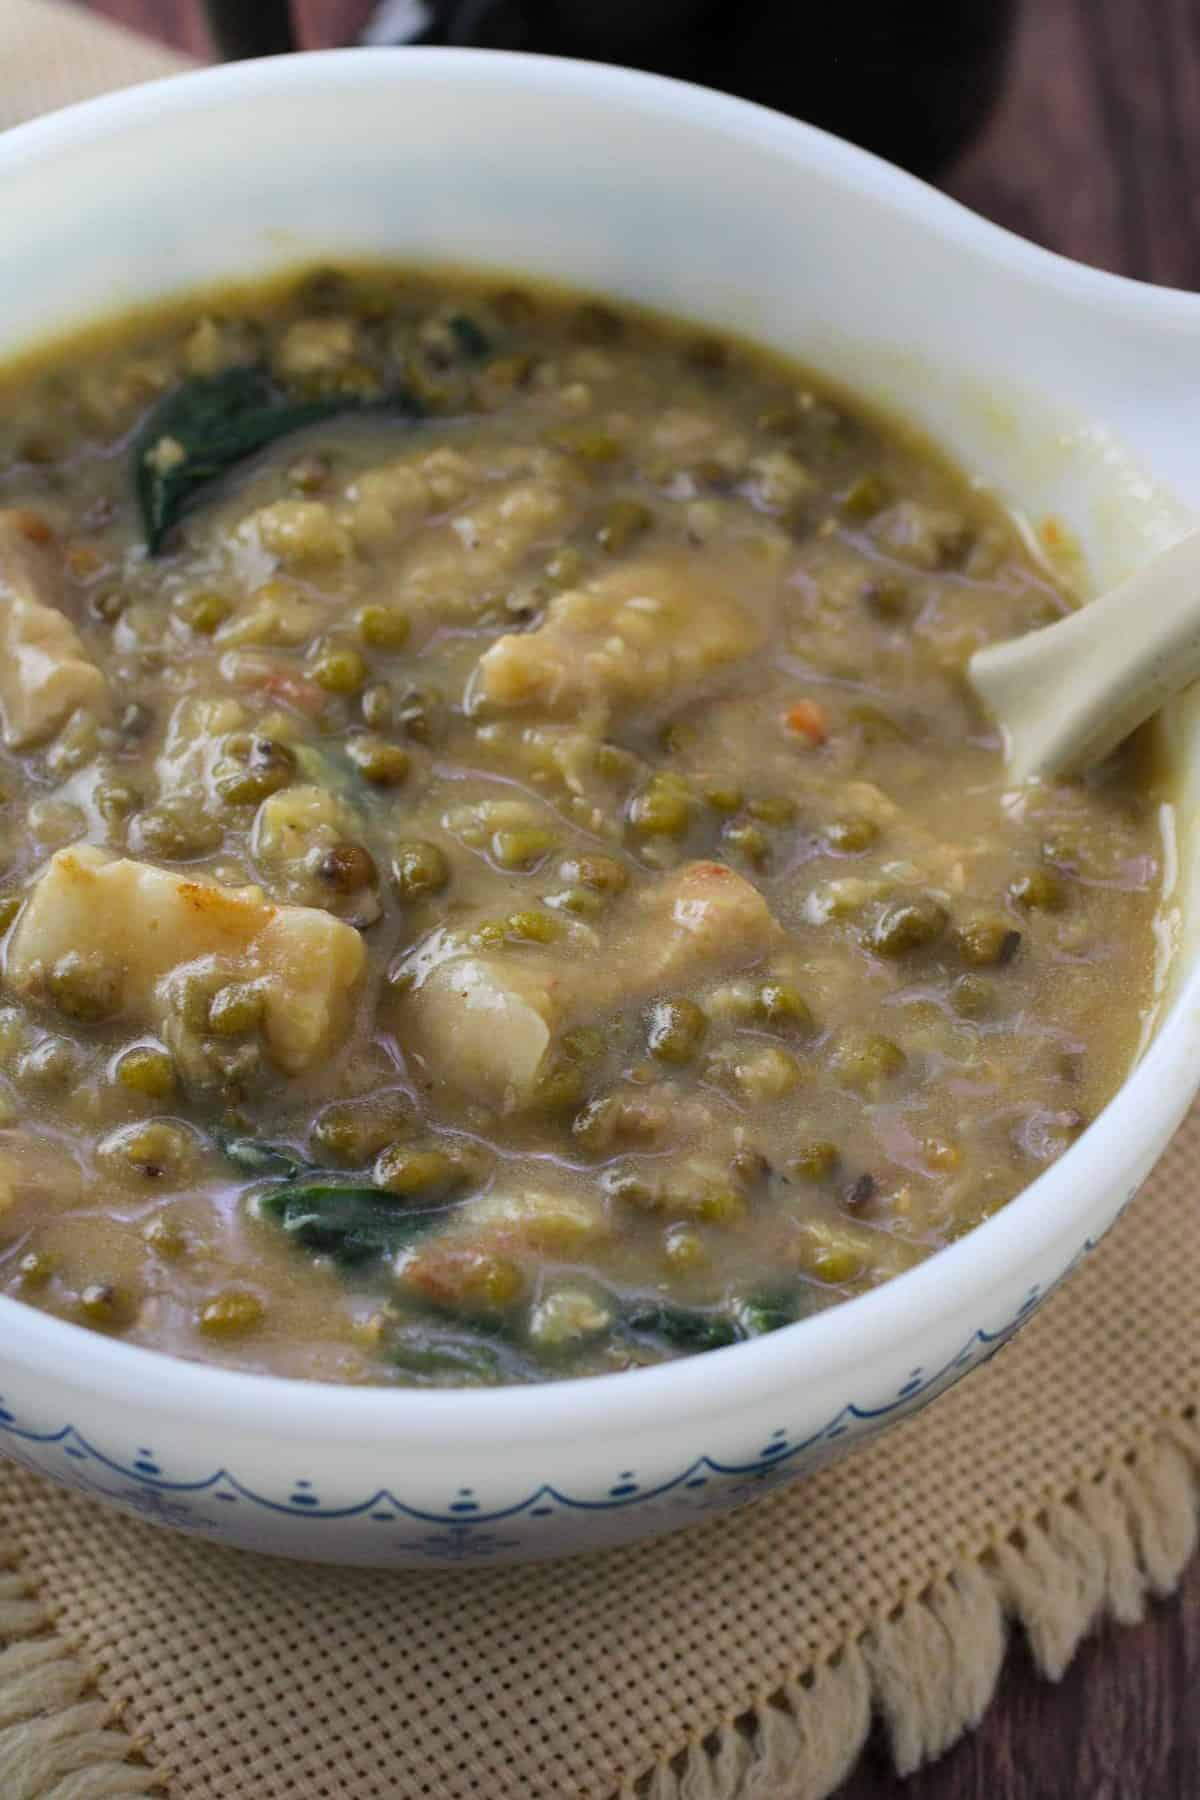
(251, 27)
(1093, 150)
(910, 79)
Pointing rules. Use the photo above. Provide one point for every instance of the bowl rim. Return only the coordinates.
(856, 1333)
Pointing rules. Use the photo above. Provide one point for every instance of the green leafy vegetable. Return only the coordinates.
(683, 1327)
(353, 1224)
(439, 1355)
(472, 341)
(694, 1328)
(767, 1312)
(343, 1218)
(202, 429)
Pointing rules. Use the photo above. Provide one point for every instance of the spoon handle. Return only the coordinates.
(1068, 694)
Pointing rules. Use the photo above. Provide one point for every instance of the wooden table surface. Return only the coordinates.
(1094, 150)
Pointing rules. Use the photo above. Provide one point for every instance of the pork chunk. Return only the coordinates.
(143, 928)
(485, 1019)
(44, 674)
(491, 1020)
(697, 921)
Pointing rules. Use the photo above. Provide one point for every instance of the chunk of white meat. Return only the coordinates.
(455, 565)
(45, 675)
(490, 1021)
(294, 831)
(145, 927)
(485, 1021)
(647, 629)
(698, 920)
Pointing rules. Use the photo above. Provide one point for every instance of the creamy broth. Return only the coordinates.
(503, 875)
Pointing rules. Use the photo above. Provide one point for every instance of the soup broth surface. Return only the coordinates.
(503, 875)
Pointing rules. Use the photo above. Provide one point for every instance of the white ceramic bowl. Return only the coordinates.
(1070, 391)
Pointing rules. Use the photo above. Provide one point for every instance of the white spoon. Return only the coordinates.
(1068, 694)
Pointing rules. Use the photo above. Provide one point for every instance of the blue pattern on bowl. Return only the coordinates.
(461, 1529)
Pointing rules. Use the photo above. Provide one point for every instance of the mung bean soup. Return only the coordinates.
(503, 875)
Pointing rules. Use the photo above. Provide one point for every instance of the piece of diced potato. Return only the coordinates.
(216, 344)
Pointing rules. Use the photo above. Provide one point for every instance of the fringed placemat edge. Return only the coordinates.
(929, 1667)
(60, 1739)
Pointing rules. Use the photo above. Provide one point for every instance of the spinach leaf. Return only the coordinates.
(331, 1215)
(694, 1328)
(425, 1353)
(471, 339)
(352, 1223)
(682, 1327)
(200, 430)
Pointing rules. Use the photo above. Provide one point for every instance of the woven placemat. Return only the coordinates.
(739, 1661)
